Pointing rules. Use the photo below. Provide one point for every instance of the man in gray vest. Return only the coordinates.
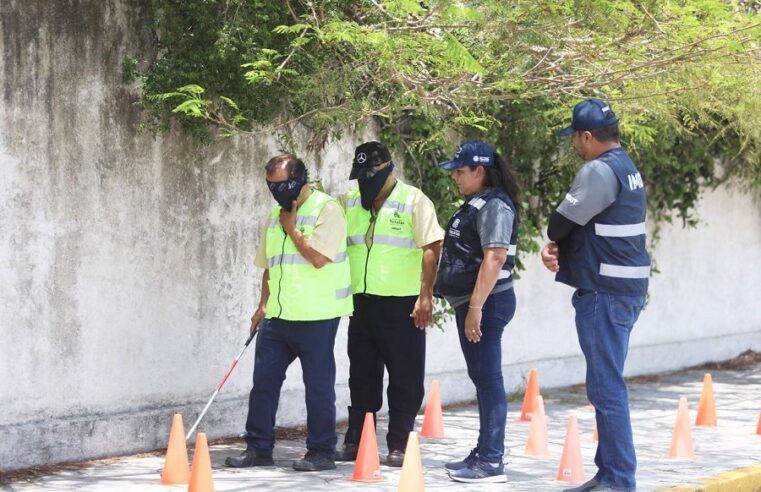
(598, 247)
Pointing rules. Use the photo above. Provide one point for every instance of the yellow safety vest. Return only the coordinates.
(391, 265)
(298, 290)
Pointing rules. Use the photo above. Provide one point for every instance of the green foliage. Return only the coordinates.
(683, 77)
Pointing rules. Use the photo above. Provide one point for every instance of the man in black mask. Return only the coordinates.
(394, 240)
(305, 289)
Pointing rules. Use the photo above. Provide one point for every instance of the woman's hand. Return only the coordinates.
(473, 325)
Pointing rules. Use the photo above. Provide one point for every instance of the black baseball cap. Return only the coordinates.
(366, 157)
(589, 114)
(470, 153)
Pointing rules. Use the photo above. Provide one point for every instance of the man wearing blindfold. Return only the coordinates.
(394, 240)
(305, 289)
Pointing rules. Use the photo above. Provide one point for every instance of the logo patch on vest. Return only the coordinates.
(396, 221)
(454, 231)
(635, 181)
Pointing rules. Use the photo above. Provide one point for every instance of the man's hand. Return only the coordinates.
(256, 320)
(288, 219)
(423, 312)
(473, 325)
(550, 257)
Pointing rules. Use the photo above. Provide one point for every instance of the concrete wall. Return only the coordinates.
(126, 276)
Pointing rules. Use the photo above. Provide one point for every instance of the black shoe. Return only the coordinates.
(609, 488)
(585, 487)
(395, 458)
(347, 453)
(314, 461)
(250, 457)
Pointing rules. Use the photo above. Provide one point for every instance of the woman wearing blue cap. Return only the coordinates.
(474, 277)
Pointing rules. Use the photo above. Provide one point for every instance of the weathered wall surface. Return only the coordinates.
(126, 276)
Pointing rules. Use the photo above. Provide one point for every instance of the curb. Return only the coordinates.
(740, 480)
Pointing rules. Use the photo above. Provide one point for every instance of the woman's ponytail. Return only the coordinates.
(500, 176)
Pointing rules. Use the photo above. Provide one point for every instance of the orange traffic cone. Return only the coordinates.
(538, 444)
(571, 465)
(595, 435)
(176, 467)
(758, 426)
(411, 479)
(529, 399)
(433, 427)
(707, 406)
(367, 466)
(681, 440)
(200, 472)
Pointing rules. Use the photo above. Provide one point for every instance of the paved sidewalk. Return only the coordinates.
(731, 445)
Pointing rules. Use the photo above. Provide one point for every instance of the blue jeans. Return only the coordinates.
(484, 361)
(603, 323)
(279, 343)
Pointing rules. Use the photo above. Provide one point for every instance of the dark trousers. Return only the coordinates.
(484, 361)
(382, 333)
(604, 323)
(279, 343)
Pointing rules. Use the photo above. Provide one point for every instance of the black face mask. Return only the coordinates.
(285, 192)
(370, 187)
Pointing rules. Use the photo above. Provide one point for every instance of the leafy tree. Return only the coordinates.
(682, 75)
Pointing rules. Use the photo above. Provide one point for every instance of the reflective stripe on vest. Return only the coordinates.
(300, 220)
(622, 230)
(298, 290)
(626, 230)
(620, 271)
(392, 264)
(297, 259)
(382, 239)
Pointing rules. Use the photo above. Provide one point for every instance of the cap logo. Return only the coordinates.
(605, 109)
(361, 157)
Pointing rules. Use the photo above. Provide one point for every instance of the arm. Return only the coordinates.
(488, 274)
(261, 310)
(423, 312)
(593, 189)
(288, 221)
(559, 227)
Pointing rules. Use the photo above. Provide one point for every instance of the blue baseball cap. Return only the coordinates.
(589, 114)
(470, 153)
